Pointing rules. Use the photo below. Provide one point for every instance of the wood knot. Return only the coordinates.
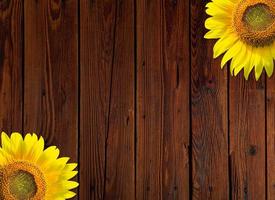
(245, 190)
(55, 9)
(127, 120)
(92, 188)
(252, 150)
(260, 85)
(174, 3)
(143, 64)
(43, 92)
(210, 188)
(210, 83)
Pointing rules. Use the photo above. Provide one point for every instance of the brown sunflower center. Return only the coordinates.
(254, 21)
(22, 185)
(258, 17)
(22, 181)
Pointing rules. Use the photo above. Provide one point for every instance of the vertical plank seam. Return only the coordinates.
(135, 98)
(23, 68)
(266, 163)
(50, 103)
(110, 97)
(79, 97)
(190, 106)
(162, 102)
(228, 135)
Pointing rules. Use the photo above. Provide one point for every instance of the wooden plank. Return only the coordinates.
(51, 71)
(247, 138)
(209, 114)
(163, 99)
(107, 100)
(11, 65)
(270, 122)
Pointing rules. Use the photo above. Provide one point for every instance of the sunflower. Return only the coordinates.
(246, 33)
(28, 172)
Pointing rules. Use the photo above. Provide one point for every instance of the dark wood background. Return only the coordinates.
(129, 90)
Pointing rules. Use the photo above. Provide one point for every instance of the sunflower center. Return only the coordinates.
(22, 185)
(22, 181)
(258, 17)
(254, 21)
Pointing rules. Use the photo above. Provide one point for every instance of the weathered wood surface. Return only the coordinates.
(51, 73)
(270, 138)
(247, 138)
(209, 114)
(107, 103)
(11, 65)
(163, 123)
(130, 91)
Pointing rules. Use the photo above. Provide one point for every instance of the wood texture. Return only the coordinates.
(209, 115)
(247, 138)
(162, 100)
(270, 136)
(50, 74)
(107, 118)
(51, 85)
(129, 89)
(11, 56)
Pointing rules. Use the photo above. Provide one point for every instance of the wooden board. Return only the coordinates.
(162, 99)
(129, 89)
(107, 169)
(209, 114)
(270, 136)
(11, 65)
(247, 138)
(51, 73)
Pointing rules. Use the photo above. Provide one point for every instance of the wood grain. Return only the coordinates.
(107, 100)
(270, 131)
(247, 138)
(129, 89)
(162, 99)
(51, 71)
(209, 114)
(11, 56)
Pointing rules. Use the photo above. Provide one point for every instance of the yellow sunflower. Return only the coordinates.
(246, 33)
(28, 172)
